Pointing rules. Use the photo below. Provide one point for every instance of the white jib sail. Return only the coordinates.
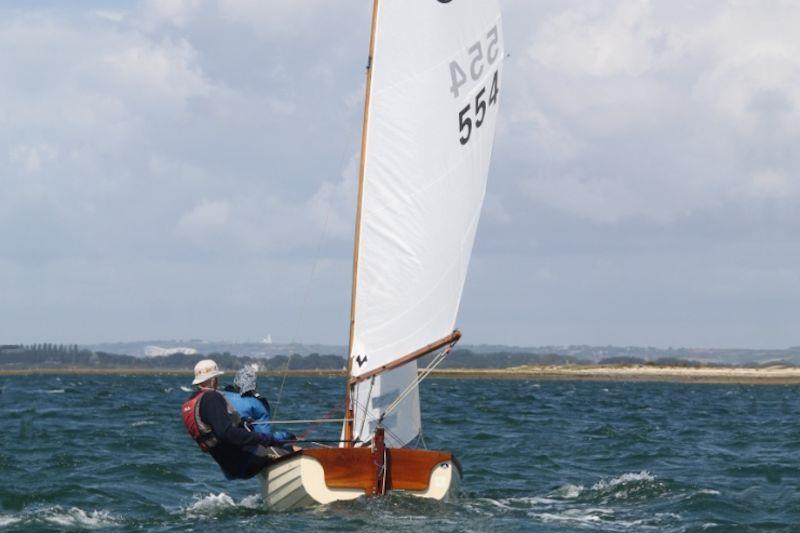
(436, 84)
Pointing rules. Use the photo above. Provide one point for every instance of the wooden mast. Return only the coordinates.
(348, 427)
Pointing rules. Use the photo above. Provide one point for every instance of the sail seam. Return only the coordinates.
(411, 309)
(439, 64)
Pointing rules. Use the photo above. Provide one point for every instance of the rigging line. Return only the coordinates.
(310, 429)
(301, 421)
(373, 418)
(425, 373)
(303, 305)
(366, 403)
(422, 375)
(310, 283)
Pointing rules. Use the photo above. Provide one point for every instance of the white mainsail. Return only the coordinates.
(435, 84)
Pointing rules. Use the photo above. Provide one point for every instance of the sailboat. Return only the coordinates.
(432, 95)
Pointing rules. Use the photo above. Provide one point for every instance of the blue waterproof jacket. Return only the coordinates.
(254, 407)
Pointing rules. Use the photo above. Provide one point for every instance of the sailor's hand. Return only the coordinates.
(267, 440)
(285, 437)
(296, 448)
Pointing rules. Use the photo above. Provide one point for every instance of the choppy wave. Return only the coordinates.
(67, 518)
(551, 456)
(604, 505)
(75, 517)
(215, 504)
(632, 477)
(8, 520)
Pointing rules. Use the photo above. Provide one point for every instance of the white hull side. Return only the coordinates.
(300, 482)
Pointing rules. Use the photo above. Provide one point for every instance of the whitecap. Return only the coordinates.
(184, 388)
(254, 501)
(569, 491)
(55, 391)
(711, 492)
(143, 423)
(211, 504)
(584, 517)
(644, 475)
(75, 517)
(9, 520)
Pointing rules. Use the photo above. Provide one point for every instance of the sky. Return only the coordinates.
(187, 169)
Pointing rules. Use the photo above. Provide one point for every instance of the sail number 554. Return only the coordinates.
(473, 116)
(477, 62)
(466, 115)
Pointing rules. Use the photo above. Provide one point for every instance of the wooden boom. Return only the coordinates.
(416, 354)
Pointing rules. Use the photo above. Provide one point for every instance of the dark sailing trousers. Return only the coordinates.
(260, 457)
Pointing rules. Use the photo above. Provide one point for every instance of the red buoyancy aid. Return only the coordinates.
(199, 430)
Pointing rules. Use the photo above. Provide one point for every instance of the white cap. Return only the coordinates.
(205, 370)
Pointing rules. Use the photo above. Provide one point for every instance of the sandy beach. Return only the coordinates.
(773, 375)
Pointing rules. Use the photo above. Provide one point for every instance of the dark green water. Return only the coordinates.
(82, 452)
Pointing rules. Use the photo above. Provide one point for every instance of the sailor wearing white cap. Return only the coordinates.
(217, 428)
(206, 370)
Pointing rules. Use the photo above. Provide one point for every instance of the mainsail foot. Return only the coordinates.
(325, 475)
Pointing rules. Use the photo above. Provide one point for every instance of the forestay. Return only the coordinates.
(436, 74)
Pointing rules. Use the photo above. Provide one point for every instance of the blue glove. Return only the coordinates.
(284, 436)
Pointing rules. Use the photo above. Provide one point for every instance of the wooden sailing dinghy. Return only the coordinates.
(432, 94)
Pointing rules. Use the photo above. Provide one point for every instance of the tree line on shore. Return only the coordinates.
(61, 356)
(47, 355)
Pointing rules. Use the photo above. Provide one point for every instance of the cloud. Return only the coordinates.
(29, 159)
(769, 184)
(206, 151)
(656, 111)
(205, 216)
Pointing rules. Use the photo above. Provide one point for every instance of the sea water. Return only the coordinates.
(110, 452)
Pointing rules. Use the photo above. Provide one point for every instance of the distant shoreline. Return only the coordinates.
(775, 375)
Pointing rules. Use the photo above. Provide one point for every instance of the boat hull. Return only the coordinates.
(321, 476)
